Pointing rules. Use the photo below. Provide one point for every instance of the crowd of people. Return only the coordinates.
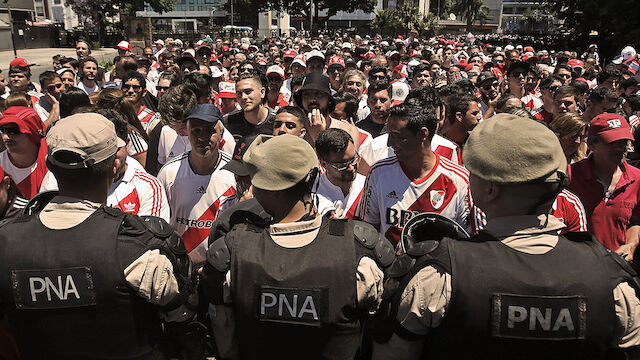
(190, 165)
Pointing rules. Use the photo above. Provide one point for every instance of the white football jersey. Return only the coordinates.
(330, 197)
(391, 198)
(196, 200)
(377, 149)
(172, 145)
(139, 193)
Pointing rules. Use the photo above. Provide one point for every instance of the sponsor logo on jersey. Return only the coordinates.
(538, 317)
(392, 195)
(195, 223)
(437, 198)
(201, 190)
(399, 218)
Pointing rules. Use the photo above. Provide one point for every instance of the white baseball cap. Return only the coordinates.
(275, 69)
(313, 54)
(216, 72)
(159, 41)
(628, 53)
(299, 59)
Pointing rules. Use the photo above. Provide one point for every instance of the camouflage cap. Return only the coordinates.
(509, 149)
(280, 162)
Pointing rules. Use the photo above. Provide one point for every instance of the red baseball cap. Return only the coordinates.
(124, 45)
(575, 63)
(610, 127)
(290, 54)
(27, 120)
(19, 62)
(336, 60)
(528, 49)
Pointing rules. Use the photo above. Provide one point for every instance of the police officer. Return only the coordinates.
(299, 287)
(79, 280)
(516, 289)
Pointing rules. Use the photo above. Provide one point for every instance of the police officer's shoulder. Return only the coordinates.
(372, 243)
(151, 231)
(219, 252)
(38, 202)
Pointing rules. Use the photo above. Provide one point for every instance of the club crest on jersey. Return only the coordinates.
(437, 198)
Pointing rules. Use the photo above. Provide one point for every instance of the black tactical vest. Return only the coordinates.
(507, 304)
(65, 294)
(296, 303)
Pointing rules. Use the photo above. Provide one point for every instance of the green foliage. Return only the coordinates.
(615, 21)
(399, 20)
(301, 7)
(471, 10)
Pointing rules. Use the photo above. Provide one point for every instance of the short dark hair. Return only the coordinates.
(380, 85)
(21, 69)
(255, 76)
(427, 96)
(566, 90)
(502, 100)
(200, 84)
(563, 66)
(72, 98)
(416, 116)
(580, 86)
(598, 95)
(332, 139)
(134, 75)
(88, 59)
(172, 76)
(176, 104)
(295, 111)
(297, 80)
(459, 104)
(610, 71)
(546, 82)
(351, 103)
(420, 68)
(48, 76)
(377, 69)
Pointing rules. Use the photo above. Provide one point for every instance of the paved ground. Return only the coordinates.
(42, 58)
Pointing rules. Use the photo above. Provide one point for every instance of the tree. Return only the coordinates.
(399, 20)
(615, 22)
(94, 12)
(471, 11)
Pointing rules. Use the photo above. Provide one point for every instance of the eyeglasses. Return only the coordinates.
(378, 77)
(342, 166)
(490, 86)
(54, 86)
(9, 130)
(129, 86)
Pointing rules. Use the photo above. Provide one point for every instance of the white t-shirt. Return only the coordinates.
(18, 174)
(139, 193)
(330, 196)
(88, 90)
(196, 200)
(391, 198)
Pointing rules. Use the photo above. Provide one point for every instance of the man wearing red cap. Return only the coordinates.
(124, 48)
(24, 159)
(227, 97)
(608, 186)
(20, 79)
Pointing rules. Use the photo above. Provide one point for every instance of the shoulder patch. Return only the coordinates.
(365, 233)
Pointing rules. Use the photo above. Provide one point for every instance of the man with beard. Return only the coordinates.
(379, 101)
(48, 107)
(255, 118)
(339, 187)
(487, 83)
(608, 186)
(89, 68)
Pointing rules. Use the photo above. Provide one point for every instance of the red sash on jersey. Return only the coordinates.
(193, 236)
(30, 186)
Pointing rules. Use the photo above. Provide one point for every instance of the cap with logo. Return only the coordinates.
(299, 60)
(19, 62)
(90, 137)
(227, 90)
(511, 149)
(205, 112)
(485, 76)
(336, 60)
(313, 54)
(275, 69)
(290, 54)
(399, 90)
(610, 127)
(27, 120)
(236, 165)
(280, 162)
(124, 45)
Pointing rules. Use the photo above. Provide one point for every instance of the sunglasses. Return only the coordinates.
(553, 88)
(9, 130)
(162, 88)
(345, 165)
(519, 73)
(129, 86)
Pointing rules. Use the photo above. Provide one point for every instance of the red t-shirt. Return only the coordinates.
(607, 217)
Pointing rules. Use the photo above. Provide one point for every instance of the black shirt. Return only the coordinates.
(371, 127)
(239, 127)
